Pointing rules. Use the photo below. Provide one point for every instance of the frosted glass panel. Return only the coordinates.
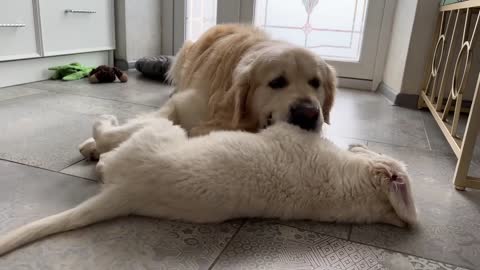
(331, 28)
(200, 15)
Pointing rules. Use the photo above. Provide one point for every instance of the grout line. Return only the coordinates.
(426, 134)
(48, 170)
(386, 143)
(67, 92)
(72, 164)
(350, 229)
(8, 100)
(103, 98)
(226, 246)
(278, 222)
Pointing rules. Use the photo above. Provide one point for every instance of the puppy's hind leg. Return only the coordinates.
(88, 148)
(108, 136)
(105, 205)
(362, 149)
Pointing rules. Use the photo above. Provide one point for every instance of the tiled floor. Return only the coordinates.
(41, 172)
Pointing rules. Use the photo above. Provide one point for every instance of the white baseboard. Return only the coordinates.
(355, 84)
(32, 70)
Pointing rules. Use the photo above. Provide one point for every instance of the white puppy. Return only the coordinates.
(282, 172)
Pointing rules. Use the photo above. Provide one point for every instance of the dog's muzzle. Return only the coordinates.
(304, 114)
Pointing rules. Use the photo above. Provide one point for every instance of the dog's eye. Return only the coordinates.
(315, 83)
(279, 82)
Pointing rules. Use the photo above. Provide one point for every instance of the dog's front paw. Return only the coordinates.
(89, 149)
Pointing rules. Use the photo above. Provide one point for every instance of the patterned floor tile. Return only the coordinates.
(27, 194)
(272, 246)
(127, 243)
(332, 229)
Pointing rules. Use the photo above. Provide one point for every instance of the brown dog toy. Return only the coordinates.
(106, 74)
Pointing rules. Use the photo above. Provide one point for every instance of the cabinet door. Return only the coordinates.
(72, 26)
(17, 30)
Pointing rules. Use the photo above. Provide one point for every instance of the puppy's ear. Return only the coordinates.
(398, 190)
(330, 88)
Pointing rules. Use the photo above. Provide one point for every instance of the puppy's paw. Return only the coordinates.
(108, 118)
(356, 147)
(89, 149)
(99, 168)
(102, 122)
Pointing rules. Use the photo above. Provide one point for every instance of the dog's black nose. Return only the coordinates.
(304, 114)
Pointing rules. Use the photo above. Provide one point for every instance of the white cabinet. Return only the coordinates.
(72, 26)
(38, 34)
(18, 38)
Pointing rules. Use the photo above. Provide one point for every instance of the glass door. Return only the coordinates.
(199, 16)
(344, 32)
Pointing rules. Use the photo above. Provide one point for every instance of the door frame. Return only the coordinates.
(242, 11)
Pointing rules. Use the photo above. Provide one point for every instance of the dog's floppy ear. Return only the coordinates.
(230, 108)
(329, 86)
(399, 193)
(237, 97)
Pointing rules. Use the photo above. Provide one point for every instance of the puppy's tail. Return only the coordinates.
(100, 207)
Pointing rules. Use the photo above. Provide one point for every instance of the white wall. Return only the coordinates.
(399, 44)
(420, 46)
(410, 45)
(138, 29)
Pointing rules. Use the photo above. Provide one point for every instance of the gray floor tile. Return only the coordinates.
(128, 243)
(448, 219)
(439, 143)
(84, 169)
(138, 89)
(476, 153)
(367, 116)
(273, 246)
(435, 135)
(28, 193)
(44, 130)
(17, 91)
(474, 170)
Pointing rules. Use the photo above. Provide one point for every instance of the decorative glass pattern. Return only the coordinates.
(332, 28)
(200, 15)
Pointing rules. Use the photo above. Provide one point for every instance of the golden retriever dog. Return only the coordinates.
(235, 77)
(281, 172)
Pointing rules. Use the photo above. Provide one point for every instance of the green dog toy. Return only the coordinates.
(70, 72)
